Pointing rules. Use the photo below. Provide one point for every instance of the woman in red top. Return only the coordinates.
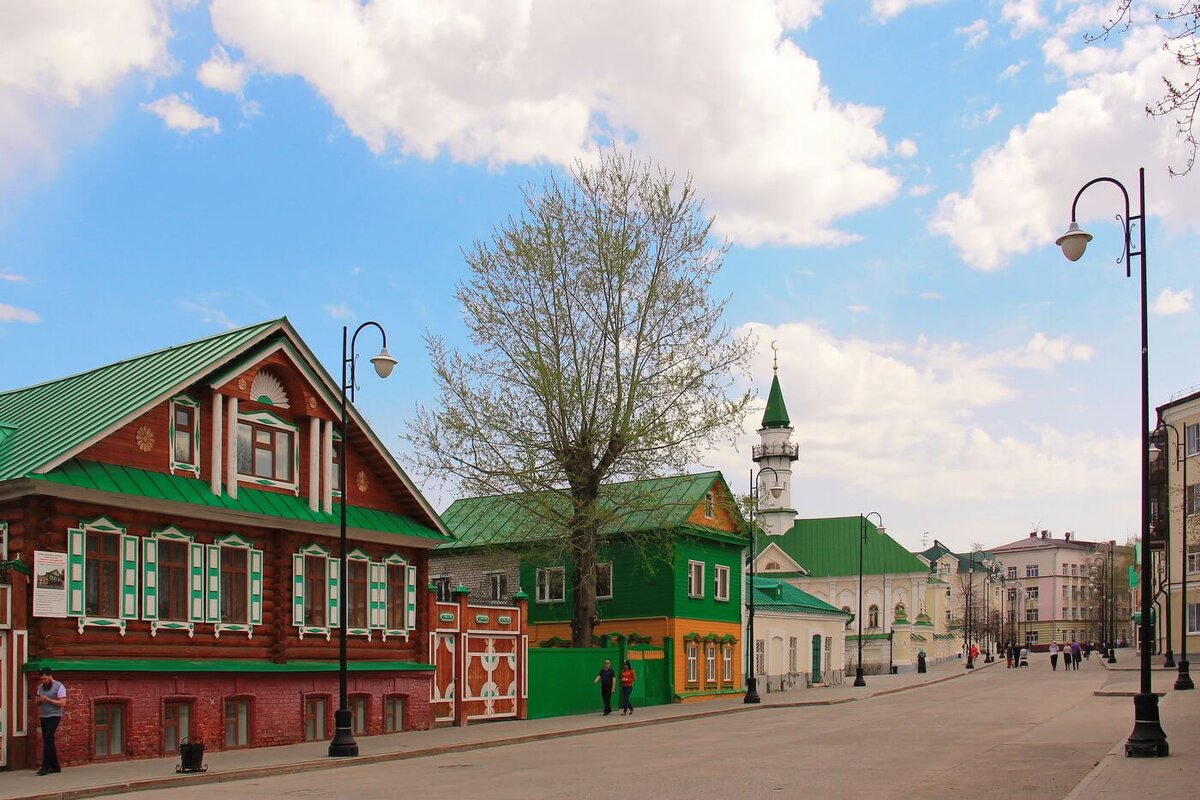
(627, 679)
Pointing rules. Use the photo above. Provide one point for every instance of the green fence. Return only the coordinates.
(561, 679)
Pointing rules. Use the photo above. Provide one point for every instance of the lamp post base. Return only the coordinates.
(1112, 657)
(1184, 681)
(1147, 739)
(1169, 661)
(970, 663)
(751, 691)
(343, 744)
(858, 677)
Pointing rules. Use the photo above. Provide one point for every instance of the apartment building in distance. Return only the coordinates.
(1054, 588)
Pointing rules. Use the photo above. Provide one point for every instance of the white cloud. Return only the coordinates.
(1012, 70)
(520, 82)
(982, 118)
(1172, 302)
(1021, 190)
(1023, 15)
(11, 278)
(222, 73)
(905, 148)
(341, 312)
(976, 33)
(179, 115)
(55, 56)
(858, 308)
(920, 190)
(920, 406)
(13, 314)
(208, 313)
(1043, 353)
(885, 10)
(932, 296)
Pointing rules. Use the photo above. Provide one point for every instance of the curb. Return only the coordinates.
(251, 773)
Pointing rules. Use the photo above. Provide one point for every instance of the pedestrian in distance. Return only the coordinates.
(607, 679)
(50, 698)
(628, 676)
(1087, 651)
(1076, 653)
(1024, 662)
(1054, 657)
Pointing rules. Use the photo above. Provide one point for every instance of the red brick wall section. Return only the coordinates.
(276, 710)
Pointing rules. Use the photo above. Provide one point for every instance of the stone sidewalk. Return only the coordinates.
(1113, 775)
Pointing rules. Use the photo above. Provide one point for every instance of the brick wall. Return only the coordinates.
(472, 569)
(276, 709)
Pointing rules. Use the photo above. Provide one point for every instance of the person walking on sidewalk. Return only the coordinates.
(50, 698)
(1076, 652)
(627, 679)
(1054, 656)
(606, 678)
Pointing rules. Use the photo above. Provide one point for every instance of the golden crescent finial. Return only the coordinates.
(775, 350)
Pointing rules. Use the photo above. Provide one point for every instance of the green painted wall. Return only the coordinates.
(707, 607)
(560, 680)
(639, 589)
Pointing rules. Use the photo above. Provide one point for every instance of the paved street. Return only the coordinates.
(997, 733)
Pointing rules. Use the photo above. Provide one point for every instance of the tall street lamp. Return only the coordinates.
(775, 490)
(343, 743)
(862, 538)
(1184, 680)
(970, 609)
(1147, 739)
(1112, 601)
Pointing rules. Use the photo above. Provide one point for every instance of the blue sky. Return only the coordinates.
(890, 174)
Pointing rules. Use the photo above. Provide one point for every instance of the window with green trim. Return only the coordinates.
(103, 574)
(356, 593)
(172, 579)
(315, 605)
(266, 450)
(185, 434)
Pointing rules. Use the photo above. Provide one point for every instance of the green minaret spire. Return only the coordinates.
(776, 415)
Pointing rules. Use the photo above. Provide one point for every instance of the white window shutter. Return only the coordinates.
(212, 580)
(378, 599)
(256, 586)
(334, 620)
(410, 616)
(196, 583)
(129, 577)
(298, 589)
(149, 578)
(76, 558)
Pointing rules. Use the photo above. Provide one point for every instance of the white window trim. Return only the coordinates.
(1196, 617)
(538, 583)
(710, 663)
(344, 587)
(177, 464)
(611, 576)
(269, 420)
(697, 582)
(410, 597)
(491, 585)
(720, 571)
(234, 542)
(334, 469)
(727, 662)
(693, 662)
(170, 534)
(126, 582)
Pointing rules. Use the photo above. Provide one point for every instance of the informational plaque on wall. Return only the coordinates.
(49, 584)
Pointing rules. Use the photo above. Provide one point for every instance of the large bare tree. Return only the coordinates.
(599, 355)
(1180, 96)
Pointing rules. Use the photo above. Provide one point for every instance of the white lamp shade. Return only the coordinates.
(1154, 452)
(776, 491)
(384, 363)
(1073, 242)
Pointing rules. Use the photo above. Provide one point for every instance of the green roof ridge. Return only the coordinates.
(776, 415)
(504, 519)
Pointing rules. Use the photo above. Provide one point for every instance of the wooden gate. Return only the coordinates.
(479, 658)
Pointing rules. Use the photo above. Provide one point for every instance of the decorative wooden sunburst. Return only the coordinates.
(267, 389)
(144, 438)
(312, 403)
(360, 480)
(242, 385)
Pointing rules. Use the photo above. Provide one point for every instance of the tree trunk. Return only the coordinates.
(583, 593)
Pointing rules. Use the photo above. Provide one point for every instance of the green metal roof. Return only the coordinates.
(828, 547)
(49, 420)
(178, 488)
(773, 595)
(775, 415)
(632, 506)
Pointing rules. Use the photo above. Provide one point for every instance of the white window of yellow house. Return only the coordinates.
(710, 663)
(693, 657)
(727, 662)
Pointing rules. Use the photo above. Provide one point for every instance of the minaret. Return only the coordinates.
(775, 514)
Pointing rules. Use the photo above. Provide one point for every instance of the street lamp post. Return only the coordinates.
(970, 609)
(775, 490)
(862, 538)
(1184, 679)
(1147, 739)
(343, 744)
(1112, 601)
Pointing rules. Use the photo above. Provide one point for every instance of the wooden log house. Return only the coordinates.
(177, 515)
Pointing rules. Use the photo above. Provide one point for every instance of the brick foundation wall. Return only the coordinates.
(276, 708)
